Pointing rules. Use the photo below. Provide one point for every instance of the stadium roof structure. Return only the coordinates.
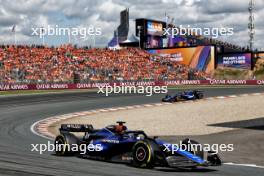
(113, 42)
(132, 39)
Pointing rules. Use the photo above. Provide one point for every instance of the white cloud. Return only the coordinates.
(105, 14)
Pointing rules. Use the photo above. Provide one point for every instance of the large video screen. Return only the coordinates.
(154, 28)
(235, 60)
(201, 58)
(154, 42)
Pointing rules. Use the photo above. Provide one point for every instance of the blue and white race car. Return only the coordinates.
(186, 95)
(117, 144)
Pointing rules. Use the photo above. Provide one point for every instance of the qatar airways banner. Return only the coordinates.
(7, 87)
(213, 82)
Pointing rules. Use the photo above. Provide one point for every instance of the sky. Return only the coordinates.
(104, 14)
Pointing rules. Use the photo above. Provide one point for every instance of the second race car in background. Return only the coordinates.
(186, 95)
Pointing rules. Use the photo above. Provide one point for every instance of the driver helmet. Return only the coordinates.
(120, 128)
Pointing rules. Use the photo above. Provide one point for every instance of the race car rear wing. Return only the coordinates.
(76, 128)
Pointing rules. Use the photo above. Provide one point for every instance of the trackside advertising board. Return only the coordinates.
(235, 60)
(201, 58)
(261, 55)
(8, 87)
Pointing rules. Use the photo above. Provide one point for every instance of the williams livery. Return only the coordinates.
(118, 144)
(186, 95)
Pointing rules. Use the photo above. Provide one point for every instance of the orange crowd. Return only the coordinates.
(37, 64)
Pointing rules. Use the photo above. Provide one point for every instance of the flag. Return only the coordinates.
(14, 28)
(166, 17)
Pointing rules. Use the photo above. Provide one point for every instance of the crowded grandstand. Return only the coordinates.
(38, 64)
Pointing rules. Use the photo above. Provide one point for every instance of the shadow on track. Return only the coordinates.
(254, 124)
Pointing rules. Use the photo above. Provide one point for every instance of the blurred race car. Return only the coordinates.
(186, 95)
(132, 147)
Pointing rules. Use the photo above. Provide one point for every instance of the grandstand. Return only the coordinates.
(31, 64)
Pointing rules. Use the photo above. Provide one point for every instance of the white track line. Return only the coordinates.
(33, 127)
(232, 96)
(220, 97)
(245, 165)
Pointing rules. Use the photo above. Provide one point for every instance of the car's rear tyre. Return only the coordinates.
(199, 96)
(64, 144)
(143, 154)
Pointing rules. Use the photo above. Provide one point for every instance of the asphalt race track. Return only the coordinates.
(19, 113)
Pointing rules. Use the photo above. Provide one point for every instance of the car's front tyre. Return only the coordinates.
(143, 154)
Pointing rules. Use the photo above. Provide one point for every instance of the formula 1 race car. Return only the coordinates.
(186, 95)
(117, 144)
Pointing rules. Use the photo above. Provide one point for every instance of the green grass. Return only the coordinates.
(229, 74)
(31, 92)
(259, 73)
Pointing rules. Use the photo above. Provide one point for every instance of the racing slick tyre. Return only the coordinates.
(214, 159)
(64, 143)
(199, 96)
(143, 154)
